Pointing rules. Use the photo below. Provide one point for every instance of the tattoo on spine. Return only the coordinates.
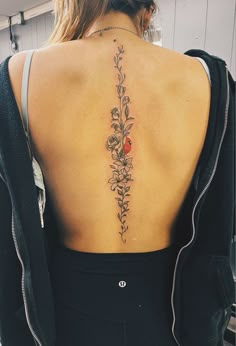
(119, 144)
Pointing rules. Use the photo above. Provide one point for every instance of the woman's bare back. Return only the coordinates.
(75, 97)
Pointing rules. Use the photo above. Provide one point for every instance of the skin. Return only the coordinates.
(72, 90)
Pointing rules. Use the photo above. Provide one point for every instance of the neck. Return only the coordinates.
(117, 19)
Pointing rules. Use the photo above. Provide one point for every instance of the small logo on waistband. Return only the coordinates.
(122, 283)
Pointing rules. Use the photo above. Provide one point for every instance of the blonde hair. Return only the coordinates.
(73, 18)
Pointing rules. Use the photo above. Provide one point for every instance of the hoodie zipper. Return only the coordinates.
(36, 339)
(3, 179)
(195, 206)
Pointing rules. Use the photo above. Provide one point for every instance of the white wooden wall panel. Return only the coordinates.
(190, 24)
(233, 53)
(167, 19)
(219, 30)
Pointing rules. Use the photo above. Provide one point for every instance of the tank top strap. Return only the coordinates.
(24, 92)
(204, 64)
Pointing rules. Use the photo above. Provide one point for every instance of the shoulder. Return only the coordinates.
(16, 65)
(187, 69)
(189, 89)
(190, 77)
(181, 72)
(46, 63)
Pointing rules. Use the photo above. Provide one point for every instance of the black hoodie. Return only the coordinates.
(203, 286)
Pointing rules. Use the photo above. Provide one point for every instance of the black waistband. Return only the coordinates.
(113, 262)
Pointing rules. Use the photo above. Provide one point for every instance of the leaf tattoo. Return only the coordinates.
(119, 144)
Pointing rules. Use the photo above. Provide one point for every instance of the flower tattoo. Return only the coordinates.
(120, 145)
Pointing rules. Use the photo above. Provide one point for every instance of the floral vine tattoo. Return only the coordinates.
(120, 144)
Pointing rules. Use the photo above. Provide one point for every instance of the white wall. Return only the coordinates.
(202, 24)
